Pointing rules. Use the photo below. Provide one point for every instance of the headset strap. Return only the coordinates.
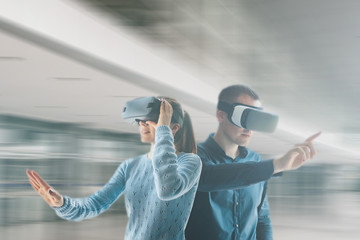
(226, 107)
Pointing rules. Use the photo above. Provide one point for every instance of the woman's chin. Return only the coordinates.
(146, 139)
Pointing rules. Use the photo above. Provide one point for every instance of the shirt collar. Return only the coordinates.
(217, 150)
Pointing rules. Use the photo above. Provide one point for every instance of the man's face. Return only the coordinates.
(239, 136)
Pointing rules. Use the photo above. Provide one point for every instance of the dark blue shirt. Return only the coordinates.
(231, 202)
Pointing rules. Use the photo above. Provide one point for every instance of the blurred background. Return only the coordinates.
(68, 66)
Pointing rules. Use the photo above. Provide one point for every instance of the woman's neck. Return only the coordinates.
(149, 155)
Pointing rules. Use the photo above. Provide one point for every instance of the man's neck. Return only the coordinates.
(230, 148)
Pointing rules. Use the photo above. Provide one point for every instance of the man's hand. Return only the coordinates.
(51, 197)
(297, 156)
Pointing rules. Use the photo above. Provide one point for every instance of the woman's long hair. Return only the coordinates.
(184, 138)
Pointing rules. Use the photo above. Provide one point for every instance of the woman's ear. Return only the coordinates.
(174, 128)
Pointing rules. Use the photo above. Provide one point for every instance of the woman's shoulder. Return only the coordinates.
(133, 161)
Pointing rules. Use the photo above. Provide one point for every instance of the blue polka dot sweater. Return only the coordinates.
(159, 193)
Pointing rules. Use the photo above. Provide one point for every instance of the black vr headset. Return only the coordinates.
(249, 117)
(146, 109)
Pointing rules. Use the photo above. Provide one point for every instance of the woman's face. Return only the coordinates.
(147, 133)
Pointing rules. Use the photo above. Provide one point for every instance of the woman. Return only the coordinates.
(159, 186)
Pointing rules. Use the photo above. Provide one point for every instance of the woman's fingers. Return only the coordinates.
(167, 107)
(28, 173)
(38, 183)
(166, 112)
(33, 180)
(41, 181)
(34, 185)
(31, 176)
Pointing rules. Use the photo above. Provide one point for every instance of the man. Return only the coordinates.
(231, 201)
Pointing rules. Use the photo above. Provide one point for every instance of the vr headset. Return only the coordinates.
(249, 117)
(146, 109)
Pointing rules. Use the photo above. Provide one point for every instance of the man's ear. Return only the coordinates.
(220, 115)
(174, 128)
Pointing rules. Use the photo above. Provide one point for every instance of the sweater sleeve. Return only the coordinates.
(227, 176)
(78, 209)
(174, 175)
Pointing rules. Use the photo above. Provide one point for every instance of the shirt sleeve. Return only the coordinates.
(78, 209)
(227, 176)
(174, 175)
(264, 227)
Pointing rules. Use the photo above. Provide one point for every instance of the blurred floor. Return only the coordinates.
(108, 227)
(335, 218)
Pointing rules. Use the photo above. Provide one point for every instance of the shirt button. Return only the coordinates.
(237, 203)
(237, 225)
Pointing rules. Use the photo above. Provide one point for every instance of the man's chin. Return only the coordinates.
(243, 142)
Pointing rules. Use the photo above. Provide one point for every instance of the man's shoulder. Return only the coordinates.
(202, 148)
(206, 153)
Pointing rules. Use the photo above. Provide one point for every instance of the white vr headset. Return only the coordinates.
(249, 117)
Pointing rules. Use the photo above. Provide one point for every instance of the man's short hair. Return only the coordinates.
(231, 93)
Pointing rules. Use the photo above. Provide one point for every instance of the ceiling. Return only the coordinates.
(79, 61)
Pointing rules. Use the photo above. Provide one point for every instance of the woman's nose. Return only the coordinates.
(143, 123)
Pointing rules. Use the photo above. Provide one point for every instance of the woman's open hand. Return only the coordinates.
(51, 197)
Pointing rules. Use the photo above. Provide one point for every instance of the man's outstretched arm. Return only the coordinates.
(228, 176)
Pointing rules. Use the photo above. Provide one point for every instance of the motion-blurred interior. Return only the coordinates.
(67, 67)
